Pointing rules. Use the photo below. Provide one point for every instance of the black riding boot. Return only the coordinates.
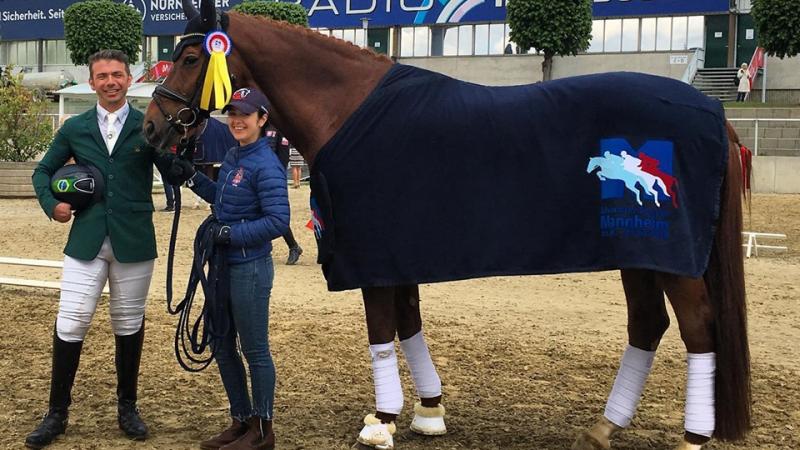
(129, 353)
(66, 356)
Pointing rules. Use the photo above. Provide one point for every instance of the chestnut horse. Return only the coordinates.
(315, 83)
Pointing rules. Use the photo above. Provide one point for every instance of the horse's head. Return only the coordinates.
(174, 113)
(594, 162)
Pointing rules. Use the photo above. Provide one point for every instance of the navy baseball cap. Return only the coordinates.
(248, 101)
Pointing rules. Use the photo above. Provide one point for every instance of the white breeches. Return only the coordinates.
(82, 283)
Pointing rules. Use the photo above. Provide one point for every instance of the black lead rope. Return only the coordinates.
(213, 322)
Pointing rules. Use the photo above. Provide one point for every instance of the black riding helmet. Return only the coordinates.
(78, 184)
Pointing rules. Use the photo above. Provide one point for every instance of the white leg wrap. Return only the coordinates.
(699, 415)
(386, 375)
(421, 366)
(628, 386)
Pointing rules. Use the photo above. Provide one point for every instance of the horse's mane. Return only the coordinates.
(329, 42)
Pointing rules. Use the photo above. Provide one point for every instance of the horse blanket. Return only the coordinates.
(434, 179)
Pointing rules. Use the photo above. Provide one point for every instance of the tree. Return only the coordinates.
(561, 27)
(293, 13)
(778, 22)
(24, 130)
(94, 25)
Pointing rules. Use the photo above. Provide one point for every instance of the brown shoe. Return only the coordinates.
(232, 433)
(259, 436)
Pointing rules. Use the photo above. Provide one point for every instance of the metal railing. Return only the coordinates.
(757, 121)
(697, 61)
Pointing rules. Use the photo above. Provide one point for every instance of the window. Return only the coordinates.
(482, 39)
(613, 35)
(596, 44)
(55, 52)
(450, 47)
(421, 38)
(630, 35)
(465, 39)
(663, 33)
(496, 38)
(679, 33)
(349, 35)
(407, 41)
(648, 35)
(695, 32)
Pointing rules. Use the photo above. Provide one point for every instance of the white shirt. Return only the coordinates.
(111, 132)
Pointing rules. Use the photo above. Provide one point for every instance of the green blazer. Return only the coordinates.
(126, 212)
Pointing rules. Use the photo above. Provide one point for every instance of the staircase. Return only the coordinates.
(717, 83)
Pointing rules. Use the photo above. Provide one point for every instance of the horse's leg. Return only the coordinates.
(693, 309)
(632, 187)
(379, 305)
(429, 412)
(647, 322)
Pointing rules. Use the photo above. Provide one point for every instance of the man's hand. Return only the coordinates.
(62, 212)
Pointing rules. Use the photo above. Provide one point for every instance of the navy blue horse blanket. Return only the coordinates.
(434, 179)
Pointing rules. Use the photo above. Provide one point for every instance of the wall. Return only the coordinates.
(776, 174)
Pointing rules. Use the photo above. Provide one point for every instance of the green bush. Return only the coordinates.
(288, 12)
(24, 129)
(95, 25)
(778, 22)
(552, 27)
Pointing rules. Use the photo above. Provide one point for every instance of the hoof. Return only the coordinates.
(587, 442)
(428, 421)
(376, 434)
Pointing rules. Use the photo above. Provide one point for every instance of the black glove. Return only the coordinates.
(221, 233)
(179, 172)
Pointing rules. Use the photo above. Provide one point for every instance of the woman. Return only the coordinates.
(744, 83)
(252, 207)
(296, 163)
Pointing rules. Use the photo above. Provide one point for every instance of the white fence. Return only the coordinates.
(757, 121)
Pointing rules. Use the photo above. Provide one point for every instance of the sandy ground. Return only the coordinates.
(526, 362)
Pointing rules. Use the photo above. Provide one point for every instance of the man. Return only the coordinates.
(113, 240)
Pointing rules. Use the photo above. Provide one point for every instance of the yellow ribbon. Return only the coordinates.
(218, 80)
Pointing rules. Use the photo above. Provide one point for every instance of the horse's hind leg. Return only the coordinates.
(647, 322)
(429, 412)
(379, 305)
(693, 309)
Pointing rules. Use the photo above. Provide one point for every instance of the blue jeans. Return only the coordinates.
(251, 283)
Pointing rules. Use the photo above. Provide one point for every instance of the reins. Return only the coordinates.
(214, 318)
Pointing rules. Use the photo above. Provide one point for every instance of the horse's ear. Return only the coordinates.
(208, 12)
(189, 10)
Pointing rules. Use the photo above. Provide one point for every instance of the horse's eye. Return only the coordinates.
(191, 59)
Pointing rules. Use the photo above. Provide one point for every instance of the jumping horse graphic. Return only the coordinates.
(317, 84)
(612, 168)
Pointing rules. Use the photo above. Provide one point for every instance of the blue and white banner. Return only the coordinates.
(43, 19)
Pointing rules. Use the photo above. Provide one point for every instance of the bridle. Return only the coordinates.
(190, 115)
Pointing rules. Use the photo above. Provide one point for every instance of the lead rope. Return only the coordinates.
(213, 322)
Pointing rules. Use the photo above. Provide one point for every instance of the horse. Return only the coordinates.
(668, 182)
(611, 168)
(319, 86)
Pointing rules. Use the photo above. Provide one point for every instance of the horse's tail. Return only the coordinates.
(725, 282)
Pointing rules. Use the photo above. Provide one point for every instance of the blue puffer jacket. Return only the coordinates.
(250, 196)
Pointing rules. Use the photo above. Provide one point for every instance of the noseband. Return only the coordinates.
(190, 115)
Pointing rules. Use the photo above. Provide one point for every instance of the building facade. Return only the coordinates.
(646, 35)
